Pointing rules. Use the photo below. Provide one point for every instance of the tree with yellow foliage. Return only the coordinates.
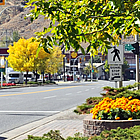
(55, 61)
(23, 55)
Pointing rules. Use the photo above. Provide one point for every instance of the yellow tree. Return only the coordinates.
(22, 55)
(55, 61)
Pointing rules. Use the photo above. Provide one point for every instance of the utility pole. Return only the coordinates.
(91, 67)
(137, 62)
(120, 83)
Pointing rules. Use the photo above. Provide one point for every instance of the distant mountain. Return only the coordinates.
(12, 19)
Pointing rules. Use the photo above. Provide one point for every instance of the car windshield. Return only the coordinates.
(13, 75)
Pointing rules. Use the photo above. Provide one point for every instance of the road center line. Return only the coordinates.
(37, 91)
(3, 95)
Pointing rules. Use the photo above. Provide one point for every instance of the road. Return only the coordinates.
(20, 106)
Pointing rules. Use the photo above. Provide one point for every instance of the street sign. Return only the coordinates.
(73, 69)
(128, 47)
(2, 69)
(115, 73)
(116, 55)
(2, 2)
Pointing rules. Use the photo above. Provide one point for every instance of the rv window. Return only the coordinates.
(29, 75)
(13, 75)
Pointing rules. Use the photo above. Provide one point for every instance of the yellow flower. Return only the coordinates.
(129, 118)
(100, 118)
(130, 97)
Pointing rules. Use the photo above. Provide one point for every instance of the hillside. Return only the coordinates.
(12, 19)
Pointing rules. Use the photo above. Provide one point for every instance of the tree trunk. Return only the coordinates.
(43, 77)
(26, 77)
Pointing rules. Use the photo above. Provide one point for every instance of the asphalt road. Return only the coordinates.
(20, 106)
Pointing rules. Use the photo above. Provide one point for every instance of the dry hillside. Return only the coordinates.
(13, 19)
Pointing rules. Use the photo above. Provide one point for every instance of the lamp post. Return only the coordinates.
(74, 67)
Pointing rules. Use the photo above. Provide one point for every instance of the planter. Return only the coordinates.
(95, 127)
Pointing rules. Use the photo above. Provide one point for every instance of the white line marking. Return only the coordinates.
(49, 97)
(87, 90)
(92, 88)
(79, 91)
(12, 111)
(68, 94)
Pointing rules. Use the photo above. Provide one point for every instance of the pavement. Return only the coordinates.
(67, 122)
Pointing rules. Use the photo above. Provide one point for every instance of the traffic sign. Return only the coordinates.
(116, 55)
(2, 69)
(2, 2)
(115, 73)
(128, 47)
(73, 69)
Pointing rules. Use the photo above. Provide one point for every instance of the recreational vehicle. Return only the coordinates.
(13, 76)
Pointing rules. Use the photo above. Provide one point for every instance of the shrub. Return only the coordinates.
(86, 107)
(117, 109)
(131, 133)
(110, 91)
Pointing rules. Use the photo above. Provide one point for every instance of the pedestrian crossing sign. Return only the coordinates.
(116, 55)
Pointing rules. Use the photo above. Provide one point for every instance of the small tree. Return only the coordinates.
(87, 70)
(16, 36)
(54, 61)
(22, 55)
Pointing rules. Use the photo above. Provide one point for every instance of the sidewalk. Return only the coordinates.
(67, 122)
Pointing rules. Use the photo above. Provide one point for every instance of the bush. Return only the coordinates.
(86, 107)
(131, 133)
(110, 91)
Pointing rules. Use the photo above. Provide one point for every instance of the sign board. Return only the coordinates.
(73, 68)
(2, 69)
(115, 73)
(2, 62)
(116, 55)
(128, 47)
(2, 2)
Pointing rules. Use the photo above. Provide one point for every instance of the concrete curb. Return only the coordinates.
(22, 130)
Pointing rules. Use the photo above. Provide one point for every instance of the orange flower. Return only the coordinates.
(117, 118)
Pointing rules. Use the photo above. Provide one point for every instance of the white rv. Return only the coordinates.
(30, 76)
(13, 76)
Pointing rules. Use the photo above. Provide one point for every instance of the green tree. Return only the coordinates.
(87, 70)
(96, 59)
(125, 66)
(97, 22)
(16, 36)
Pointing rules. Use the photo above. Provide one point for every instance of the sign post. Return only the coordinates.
(2, 68)
(116, 59)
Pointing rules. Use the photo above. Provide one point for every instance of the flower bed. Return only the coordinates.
(93, 127)
(109, 114)
(118, 109)
(9, 84)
